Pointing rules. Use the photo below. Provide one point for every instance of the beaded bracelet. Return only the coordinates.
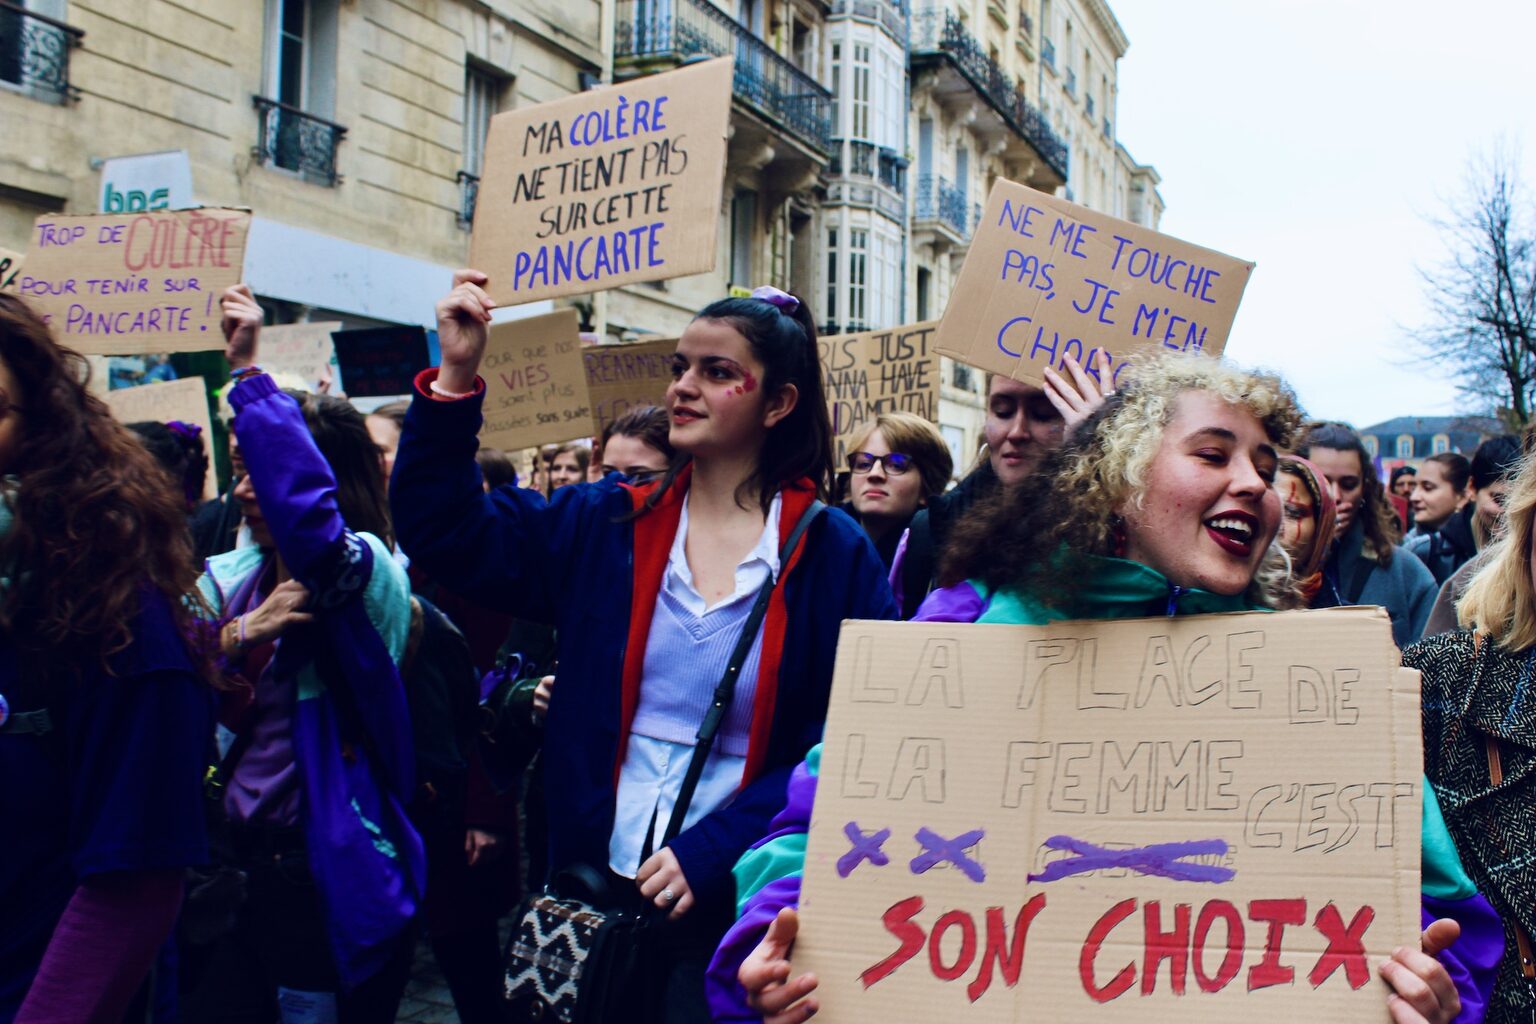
(438, 389)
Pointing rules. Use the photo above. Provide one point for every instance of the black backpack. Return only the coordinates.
(442, 691)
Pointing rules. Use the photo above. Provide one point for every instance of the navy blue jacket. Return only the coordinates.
(573, 562)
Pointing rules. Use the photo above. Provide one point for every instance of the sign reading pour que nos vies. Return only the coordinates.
(1046, 279)
(535, 382)
(607, 187)
(132, 283)
(1211, 818)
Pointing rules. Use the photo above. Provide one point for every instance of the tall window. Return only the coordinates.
(963, 171)
(481, 90)
(301, 54)
(1405, 446)
(837, 88)
(1439, 444)
(892, 108)
(924, 287)
(858, 271)
(831, 311)
(743, 220)
(925, 147)
(861, 74)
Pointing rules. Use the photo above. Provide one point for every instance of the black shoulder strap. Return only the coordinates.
(917, 564)
(727, 687)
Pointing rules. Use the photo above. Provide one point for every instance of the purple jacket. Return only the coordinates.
(367, 858)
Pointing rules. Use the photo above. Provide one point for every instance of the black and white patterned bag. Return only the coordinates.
(571, 962)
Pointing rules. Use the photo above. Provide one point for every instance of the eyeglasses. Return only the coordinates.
(895, 463)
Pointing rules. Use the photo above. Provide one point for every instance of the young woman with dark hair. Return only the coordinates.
(1475, 524)
(316, 759)
(637, 445)
(105, 716)
(496, 468)
(650, 587)
(178, 447)
(1439, 492)
(569, 466)
(1366, 566)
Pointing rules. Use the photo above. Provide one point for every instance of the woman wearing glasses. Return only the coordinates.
(899, 463)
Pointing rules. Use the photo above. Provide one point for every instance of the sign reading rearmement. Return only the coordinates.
(124, 284)
(1209, 818)
(606, 187)
(621, 378)
(1046, 279)
(875, 372)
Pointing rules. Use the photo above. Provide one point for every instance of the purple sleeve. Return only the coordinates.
(959, 603)
(1473, 959)
(727, 998)
(294, 484)
(102, 948)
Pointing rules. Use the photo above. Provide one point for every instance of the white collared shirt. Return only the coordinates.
(661, 740)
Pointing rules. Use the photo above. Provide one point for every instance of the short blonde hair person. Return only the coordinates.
(910, 434)
(1032, 536)
(1501, 600)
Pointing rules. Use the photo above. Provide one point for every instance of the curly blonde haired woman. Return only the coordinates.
(1162, 503)
(1480, 739)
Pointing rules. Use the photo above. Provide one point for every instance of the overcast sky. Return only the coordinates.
(1315, 137)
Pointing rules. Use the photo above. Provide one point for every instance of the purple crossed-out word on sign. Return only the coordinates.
(1165, 860)
(865, 847)
(937, 850)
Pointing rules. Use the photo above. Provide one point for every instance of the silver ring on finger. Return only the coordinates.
(668, 895)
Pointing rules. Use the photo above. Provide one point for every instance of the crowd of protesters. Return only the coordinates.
(257, 749)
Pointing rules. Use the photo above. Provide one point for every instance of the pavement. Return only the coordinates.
(426, 995)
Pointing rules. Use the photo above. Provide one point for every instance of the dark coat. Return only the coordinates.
(1478, 699)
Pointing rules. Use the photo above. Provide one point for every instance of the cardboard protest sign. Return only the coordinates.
(379, 362)
(300, 355)
(879, 371)
(606, 187)
(625, 377)
(1046, 278)
(1211, 818)
(185, 400)
(535, 383)
(10, 270)
(124, 284)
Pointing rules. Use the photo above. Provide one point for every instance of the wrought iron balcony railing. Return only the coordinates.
(469, 191)
(940, 201)
(298, 142)
(937, 31)
(890, 16)
(765, 81)
(865, 159)
(34, 52)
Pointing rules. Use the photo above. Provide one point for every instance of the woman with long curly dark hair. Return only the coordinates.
(104, 718)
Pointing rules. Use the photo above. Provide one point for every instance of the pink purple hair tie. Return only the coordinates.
(786, 302)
